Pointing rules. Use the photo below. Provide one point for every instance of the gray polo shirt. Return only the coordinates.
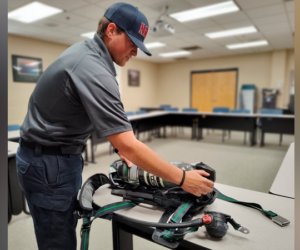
(77, 94)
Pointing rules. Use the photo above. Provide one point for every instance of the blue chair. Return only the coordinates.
(221, 110)
(171, 109)
(13, 127)
(241, 111)
(139, 112)
(165, 106)
(259, 125)
(129, 113)
(189, 110)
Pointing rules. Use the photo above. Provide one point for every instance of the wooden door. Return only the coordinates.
(213, 89)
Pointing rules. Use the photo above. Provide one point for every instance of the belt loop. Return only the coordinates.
(38, 149)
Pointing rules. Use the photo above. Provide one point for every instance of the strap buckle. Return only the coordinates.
(280, 220)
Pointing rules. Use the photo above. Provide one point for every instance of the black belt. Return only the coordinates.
(54, 150)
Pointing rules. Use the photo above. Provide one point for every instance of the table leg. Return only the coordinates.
(262, 138)
(122, 240)
(92, 150)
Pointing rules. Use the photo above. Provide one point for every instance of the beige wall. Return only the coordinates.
(145, 95)
(167, 83)
(174, 78)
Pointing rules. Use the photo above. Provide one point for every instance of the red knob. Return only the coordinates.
(206, 219)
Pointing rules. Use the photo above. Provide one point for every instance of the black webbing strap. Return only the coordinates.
(104, 212)
(271, 215)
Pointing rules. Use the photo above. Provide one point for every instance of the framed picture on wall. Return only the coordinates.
(133, 78)
(26, 69)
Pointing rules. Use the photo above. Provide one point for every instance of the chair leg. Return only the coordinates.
(245, 136)
(223, 136)
(229, 134)
(280, 140)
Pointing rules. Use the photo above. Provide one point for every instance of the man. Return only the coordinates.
(77, 94)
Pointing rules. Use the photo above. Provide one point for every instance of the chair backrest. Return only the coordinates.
(129, 113)
(271, 111)
(165, 106)
(139, 112)
(221, 110)
(240, 111)
(170, 109)
(189, 110)
(13, 127)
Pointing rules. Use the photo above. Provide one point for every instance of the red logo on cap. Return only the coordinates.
(143, 30)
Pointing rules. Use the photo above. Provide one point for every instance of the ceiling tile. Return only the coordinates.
(210, 29)
(251, 37)
(149, 13)
(149, 3)
(227, 40)
(203, 3)
(173, 6)
(236, 25)
(69, 18)
(266, 11)
(74, 30)
(186, 34)
(108, 3)
(250, 4)
(90, 25)
(71, 40)
(90, 11)
(290, 6)
(269, 28)
(291, 16)
(65, 5)
(230, 17)
(271, 19)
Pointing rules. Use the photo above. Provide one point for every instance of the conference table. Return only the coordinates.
(264, 233)
(284, 182)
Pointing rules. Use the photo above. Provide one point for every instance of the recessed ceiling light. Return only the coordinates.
(174, 54)
(154, 45)
(233, 32)
(88, 35)
(32, 12)
(208, 11)
(246, 45)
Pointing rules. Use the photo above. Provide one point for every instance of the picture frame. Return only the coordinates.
(133, 78)
(26, 69)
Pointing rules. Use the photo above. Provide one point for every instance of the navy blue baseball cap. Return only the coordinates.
(132, 21)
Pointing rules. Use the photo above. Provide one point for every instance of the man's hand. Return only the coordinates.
(196, 184)
(123, 158)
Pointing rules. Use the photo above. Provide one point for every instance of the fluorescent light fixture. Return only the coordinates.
(246, 45)
(234, 32)
(154, 45)
(174, 54)
(208, 11)
(89, 34)
(32, 12)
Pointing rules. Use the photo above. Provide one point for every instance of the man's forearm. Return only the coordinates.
(146, 159)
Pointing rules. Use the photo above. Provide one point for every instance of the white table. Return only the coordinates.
(284, 183)
(264, 234)
(13, 135)
(12, 148)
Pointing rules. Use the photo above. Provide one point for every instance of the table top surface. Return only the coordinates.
(284, 183)
(14, 134)
(12, 148)
(264, 233)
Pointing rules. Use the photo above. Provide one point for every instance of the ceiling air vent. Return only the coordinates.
(191, 48)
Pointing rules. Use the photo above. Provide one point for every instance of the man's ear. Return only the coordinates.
(111, 29)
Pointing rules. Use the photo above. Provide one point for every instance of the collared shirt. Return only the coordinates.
(77, 94)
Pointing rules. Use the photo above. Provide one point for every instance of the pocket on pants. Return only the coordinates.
(54, 202)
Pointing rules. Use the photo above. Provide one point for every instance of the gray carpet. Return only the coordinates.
(236, 164)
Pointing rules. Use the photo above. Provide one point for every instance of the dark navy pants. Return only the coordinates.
(51, 184)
